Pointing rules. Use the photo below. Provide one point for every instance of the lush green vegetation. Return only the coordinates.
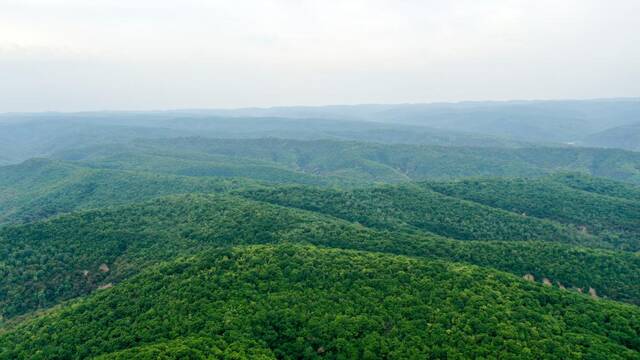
(48, 262)
(147, 245)
(598, 185)
(553, 208)
(42, 188)
(614, 219)
(411, 208)
(341, 162)
(304, 302)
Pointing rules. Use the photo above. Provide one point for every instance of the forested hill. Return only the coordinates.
(343, 162)
(622, 137)
(534, 121)
(269, 302)
(611, 215)
(157, 244)
(511, 124)
(40, 188)
(51, 261)
(117, 174)
(570, 208)
(23, 136)
(412, 209)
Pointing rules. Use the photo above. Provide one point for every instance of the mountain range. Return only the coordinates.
(448, 231)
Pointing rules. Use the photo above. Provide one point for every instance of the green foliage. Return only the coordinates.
(588, 207)
(612, 274)
(411, 208)
(44, 263)
(128, 273)
(205, 347)
(305, 302)
(598, 185)
(352, 163)
(42, 188)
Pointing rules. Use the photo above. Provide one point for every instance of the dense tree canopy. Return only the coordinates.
(613, 218)
(191, 248)
(47, 262)
(303, 302)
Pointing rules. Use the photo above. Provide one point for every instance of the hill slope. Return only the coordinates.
(23, 136)
(546, 121)
(44, 263)
(623, 137)
(40, 188)
(412, 209)
(292, 302)
(568, 208)
(557, 208)
(613, 216)
(353, 162)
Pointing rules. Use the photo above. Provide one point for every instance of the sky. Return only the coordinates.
(75, 55)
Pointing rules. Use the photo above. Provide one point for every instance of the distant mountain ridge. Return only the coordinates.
(41, 135)
(623, 137)
(535, 121)
(490, 124)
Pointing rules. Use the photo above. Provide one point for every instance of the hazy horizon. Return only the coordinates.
(70, 55)
(398, 104)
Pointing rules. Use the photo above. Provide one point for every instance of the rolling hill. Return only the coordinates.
(24, 136)
(50, 261)
(614, 218)
(483, 209)
(344, 163)
(40, 188)
(540, 121)
(273, 302)
(622, 137)
(150, 242)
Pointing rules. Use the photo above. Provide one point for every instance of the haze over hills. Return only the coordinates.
(558, 121)
(486, 124)
(622, 137)
(42, 135)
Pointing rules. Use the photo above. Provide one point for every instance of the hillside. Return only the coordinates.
(277, 301)
(558, 121)
(47, 262)
(193, 247)
(431, 208)
(622, 137)
(343, 162)
(23, 136)
(611, 216)
(599, 186)
(413, 209)
(41, 188)
(551, 208)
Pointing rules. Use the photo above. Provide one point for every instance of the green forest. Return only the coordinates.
(273, 243)
(276, 301)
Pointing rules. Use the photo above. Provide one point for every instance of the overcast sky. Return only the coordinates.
(70, 55)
